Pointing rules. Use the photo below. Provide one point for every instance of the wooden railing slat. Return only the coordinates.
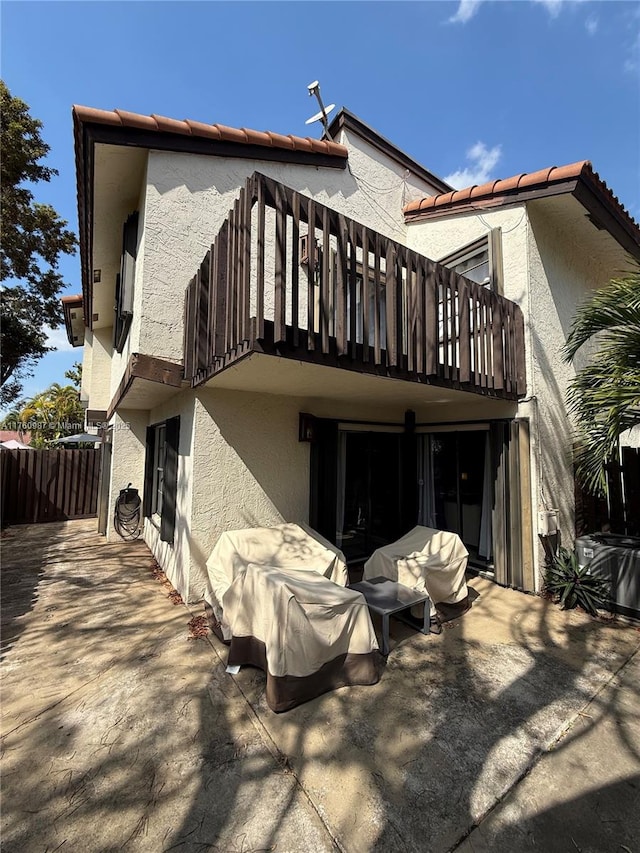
(353, 291)
(391, 306)
(341, 287)
(246, 278)
(311, 274)
(280, 305)
(295, 269)
(325, 300)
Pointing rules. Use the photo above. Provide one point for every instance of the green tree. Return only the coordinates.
(52, 414)
(75, 374)
(605, 395)
(33, 238)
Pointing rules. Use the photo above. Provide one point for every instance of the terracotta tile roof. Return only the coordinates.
(503, 191)
(72, 301)
(218, 132)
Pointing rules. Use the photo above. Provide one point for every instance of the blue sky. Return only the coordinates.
(474, 90)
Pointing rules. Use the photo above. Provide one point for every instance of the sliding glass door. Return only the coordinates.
(455, 483)
(368, 484)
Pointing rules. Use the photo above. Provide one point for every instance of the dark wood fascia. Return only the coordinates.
(183, 144)
(485, 204)
(348, 121)
(84, 181)
(604, 215)
(145, 367)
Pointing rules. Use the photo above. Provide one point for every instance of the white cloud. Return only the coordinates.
(57, 338)
(553, 7)
(465, 11)
(591, 25)
(632, 62)
(482, 161)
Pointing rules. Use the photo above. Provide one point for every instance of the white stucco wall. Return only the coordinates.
(127, 460)
(189, 196)
(100, 388)
(564, 266)
(87, 355)
(175, 558)
(132, 343)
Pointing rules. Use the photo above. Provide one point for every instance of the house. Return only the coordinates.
(325, 332)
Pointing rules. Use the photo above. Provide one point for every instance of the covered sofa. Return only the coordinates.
(285, 546)
(308, 634)
(424, 559)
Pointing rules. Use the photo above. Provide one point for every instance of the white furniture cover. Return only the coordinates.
(308, 634)
(285, 546)
(424, 559)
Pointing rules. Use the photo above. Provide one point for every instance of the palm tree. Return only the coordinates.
(54, 413)
(604, 396)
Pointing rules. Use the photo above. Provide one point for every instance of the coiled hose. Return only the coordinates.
(126, 517)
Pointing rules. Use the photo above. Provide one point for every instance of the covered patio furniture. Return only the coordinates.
(427, 560)
(308, 634)
(285, 546)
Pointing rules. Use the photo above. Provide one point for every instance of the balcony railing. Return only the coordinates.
(288, 275)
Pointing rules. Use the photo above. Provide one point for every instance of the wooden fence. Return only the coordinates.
(620, 512)
(48, 485)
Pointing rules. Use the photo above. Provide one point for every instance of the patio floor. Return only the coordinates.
(517, 728)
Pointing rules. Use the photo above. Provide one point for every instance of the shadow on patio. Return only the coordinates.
(121, 733)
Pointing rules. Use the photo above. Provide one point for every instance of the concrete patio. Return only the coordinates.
(517, 728)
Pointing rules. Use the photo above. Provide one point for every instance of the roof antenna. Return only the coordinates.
(314, 89)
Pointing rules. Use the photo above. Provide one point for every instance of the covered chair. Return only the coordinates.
(285, 546)
(424, 559)
(307, 633)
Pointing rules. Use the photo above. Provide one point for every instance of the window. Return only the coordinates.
(480, 261)
(161, 475)
(158, 469)
(125, 282)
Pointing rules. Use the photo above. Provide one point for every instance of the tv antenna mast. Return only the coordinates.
(314, 89)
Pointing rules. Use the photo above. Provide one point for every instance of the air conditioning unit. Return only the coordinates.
(615, 559)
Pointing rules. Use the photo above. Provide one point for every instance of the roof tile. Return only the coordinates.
(280, 141)
(496, 192)
(198, 128)
(128, 119)
(171, 125)
(232, 134)
(245, 136)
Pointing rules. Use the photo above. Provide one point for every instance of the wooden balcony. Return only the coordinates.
(288, 276)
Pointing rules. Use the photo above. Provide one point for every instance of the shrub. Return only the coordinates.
(572, 585)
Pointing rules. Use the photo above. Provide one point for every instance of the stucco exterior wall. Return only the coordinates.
(87, 356)
(175, 558)
(132, 344)
(100, 386)
(127, 460)
(189, 196)
(563, 271)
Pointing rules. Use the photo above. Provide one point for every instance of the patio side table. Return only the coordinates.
(389, 598)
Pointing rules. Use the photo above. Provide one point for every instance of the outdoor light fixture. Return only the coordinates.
(306, 427)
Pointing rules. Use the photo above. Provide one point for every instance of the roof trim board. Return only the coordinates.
(348, 121)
